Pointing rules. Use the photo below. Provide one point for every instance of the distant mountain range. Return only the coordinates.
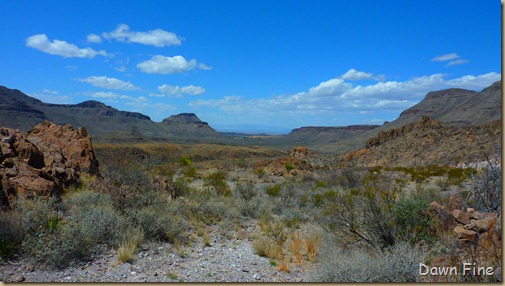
(458, 107)
(18, 110)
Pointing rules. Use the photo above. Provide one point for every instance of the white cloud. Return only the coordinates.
(446, 57)
(109, 83)
(353, 74)
(166, 65)
(474, 82)
(61, 48)
(457, 62)
(50, 91)
(204, 67)
(335, 97)
(51, 96)
(330, 87)
(93, 38)
(157, 38)
(179, 91)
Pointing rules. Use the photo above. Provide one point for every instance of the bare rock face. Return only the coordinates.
(43, 161)
(390, 134)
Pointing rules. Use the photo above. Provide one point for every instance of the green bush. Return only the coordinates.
(413, 221)
(288, 167)
(273, 191)
(184, 161)
(217, 182)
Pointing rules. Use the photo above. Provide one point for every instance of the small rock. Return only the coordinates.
(257, 276)
(19, 279)
(242, 235)
(465, 234)
(133, 273)
(484, 224)
(29, 267)
(461, 216)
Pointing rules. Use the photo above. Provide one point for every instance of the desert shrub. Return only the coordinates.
(160, 223)
(351, 177)
(288, 167)
(11, 233)
(486, 192)
(61, 248)
(360, 264)
(242, 163)
(252, 208)
(189, 171)
(184, 161)
(37, 214)
(362, 214)
(126, 187)
(100, 224)
(273, 191)
(259, 172)
(217, 182)
(245, 190)
(412, 220)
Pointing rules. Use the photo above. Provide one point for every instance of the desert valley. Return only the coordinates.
(90, 193)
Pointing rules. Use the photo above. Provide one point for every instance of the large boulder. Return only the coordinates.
(43, 161)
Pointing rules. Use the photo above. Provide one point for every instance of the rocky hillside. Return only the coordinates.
(459, 107)
(429, 142)
(43, 161)
(20, 111)
(451, 107)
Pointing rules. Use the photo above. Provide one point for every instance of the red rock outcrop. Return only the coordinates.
(43, 161)
(390, 134)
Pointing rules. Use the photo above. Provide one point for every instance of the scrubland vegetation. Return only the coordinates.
(351, 223)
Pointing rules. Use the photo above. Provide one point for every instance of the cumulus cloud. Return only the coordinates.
(446, 57)
(179, 91)
(336, 96)
(157, 38)
(167, 65)
(109, 83)
(93, 38)
(61, 48)
(353, 74)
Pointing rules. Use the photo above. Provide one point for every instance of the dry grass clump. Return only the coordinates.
(127, 248)
(267, 247)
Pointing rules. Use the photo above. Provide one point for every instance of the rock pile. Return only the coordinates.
(43, 161)
(478, 233)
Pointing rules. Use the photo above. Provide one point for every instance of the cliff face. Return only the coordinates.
(391, 134)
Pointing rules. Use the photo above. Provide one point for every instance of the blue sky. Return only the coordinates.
(250, 65)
